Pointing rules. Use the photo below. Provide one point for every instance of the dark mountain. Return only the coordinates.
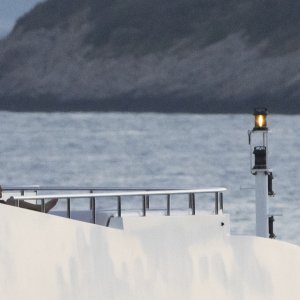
(139, 55)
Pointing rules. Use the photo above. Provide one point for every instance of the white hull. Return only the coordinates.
(47, 257)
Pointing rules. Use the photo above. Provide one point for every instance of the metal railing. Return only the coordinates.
(95, 194)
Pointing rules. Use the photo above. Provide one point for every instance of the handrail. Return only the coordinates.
(145, 194)
(123, 194)
(79, 188)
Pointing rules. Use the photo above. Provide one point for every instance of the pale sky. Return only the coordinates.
(11, 10)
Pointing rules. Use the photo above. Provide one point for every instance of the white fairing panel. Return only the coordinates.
(161, 258)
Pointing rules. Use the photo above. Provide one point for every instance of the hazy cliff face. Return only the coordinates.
(176, 55)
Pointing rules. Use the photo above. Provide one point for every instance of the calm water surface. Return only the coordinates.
(155, 150)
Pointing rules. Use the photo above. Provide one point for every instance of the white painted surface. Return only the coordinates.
(164, 258)
(261, 195)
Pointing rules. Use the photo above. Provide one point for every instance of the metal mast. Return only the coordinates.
(259, 167)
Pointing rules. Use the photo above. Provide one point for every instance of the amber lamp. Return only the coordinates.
(260, 115)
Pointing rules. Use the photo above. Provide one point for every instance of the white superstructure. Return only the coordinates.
(153, 257)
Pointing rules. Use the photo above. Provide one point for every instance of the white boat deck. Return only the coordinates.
(163, 255)
(154, 257)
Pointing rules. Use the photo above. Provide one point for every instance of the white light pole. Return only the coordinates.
(258, 141)
(261, 195)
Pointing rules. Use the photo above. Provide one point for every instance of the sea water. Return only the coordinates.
(149, 150)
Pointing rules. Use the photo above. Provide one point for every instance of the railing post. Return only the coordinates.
(36, 192)
(147, 202)
(193, 204)
(94, 209)
(119, 206)
(91, 201)
(168, 205)
(69, 208)
(144, 205)
(221, 202)
(22, 194)
(216, 203)
(42, 206)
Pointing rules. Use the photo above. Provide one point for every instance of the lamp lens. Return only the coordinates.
(260, 121)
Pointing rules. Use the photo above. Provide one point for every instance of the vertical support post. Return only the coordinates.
(119, 207)
(261, 195)
(216, 203)
(147, 202)
(261, 170)
(192, 197)
(221, 202)
(42, 206)
(36, 201)
(22, 194)
(91, 201)
(69, 208)
(144, 205)
(168, 205)
(94, 209)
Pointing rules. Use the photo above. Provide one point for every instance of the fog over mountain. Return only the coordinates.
(140, 55)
